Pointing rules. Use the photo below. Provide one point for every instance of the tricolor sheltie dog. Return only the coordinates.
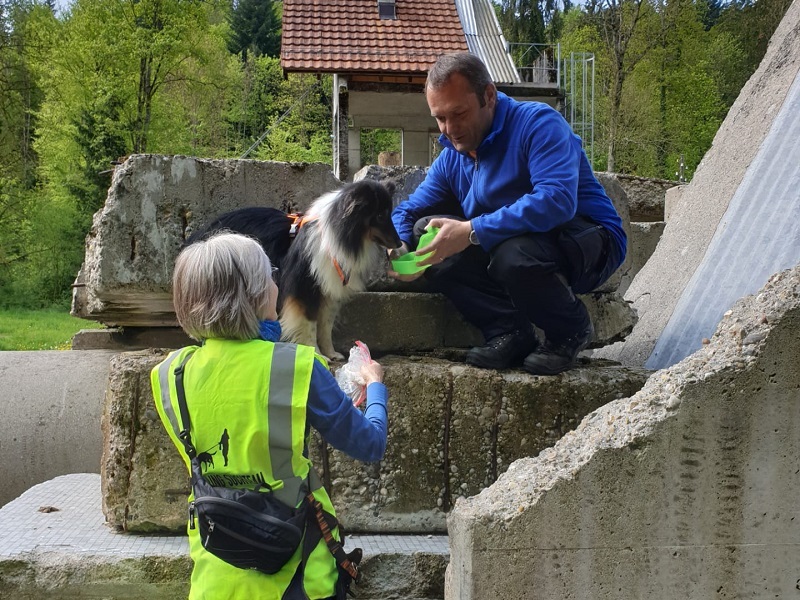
(324, 255)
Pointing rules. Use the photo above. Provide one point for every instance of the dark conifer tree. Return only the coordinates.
(255, 28)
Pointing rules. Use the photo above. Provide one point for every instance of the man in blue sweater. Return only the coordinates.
(523, 223)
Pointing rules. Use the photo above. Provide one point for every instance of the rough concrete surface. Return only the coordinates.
(155, 203)
(52, 406)
(401, 322)
(693, 221)
(56, 545)
(452, 430)
(687, 489)
(644, 238)
(645, 196)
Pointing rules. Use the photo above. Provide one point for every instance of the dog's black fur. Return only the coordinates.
(344, 228)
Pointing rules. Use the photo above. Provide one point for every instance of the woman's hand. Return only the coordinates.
(372, 372)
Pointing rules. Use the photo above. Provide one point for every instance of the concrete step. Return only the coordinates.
(54, 544)
(389, 322)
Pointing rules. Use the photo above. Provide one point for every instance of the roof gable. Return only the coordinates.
(348, 36)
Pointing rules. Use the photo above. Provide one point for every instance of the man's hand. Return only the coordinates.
(453, 237)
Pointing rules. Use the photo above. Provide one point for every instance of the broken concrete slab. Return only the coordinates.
(402, 323)
(642, 243)
(154, 204)
(452, 430)
(694, 220)
(687, 489)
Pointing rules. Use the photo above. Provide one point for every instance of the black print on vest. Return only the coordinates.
(223, 445)
(206, 458)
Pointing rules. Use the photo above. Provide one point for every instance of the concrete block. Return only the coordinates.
(672, 200)
(155, 203)
(405, 322)
(646, 196)
(144, 481)
(641, 245)
(67, 552)
(452, 430)
(686, 489)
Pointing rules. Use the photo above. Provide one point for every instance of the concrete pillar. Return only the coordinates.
(340, 130)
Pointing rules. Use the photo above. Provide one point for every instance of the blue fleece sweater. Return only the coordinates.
(530, 175)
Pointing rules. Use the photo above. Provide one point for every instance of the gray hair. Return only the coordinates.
(220, 286)
(469, 66)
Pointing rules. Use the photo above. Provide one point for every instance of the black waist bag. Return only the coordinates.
(245, 528)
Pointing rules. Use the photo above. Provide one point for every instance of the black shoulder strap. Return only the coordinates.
(184, 434)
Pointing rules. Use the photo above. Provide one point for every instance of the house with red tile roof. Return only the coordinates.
(379, 52)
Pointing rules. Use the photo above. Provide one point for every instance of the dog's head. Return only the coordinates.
(366, 208)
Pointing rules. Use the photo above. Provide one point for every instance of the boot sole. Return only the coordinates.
(482, 363)
(540, 370)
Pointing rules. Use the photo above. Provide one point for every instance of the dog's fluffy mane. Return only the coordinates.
(344, 237)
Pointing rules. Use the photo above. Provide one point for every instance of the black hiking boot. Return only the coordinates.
(552, 358)
(503, 351)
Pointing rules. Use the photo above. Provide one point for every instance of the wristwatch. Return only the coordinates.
(473, 238)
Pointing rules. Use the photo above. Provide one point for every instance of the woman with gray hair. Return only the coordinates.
(251, 401)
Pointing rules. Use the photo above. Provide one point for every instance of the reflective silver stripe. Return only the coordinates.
(163, 382)
(279, 418)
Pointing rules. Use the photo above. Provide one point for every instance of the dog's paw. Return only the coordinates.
(333, 356)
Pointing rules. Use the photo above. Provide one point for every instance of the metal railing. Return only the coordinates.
(579, 70)
(537, 63)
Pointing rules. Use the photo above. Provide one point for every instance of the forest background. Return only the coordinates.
(86, 83)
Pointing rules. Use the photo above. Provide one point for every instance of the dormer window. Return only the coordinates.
(386, 9)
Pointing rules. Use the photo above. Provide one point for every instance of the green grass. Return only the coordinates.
(47, 329)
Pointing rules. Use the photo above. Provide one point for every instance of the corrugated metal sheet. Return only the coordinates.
(759, 235)
(485, 39)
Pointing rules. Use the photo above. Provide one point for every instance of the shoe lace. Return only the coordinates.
(499, 341)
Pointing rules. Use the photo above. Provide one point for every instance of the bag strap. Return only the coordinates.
(184, 434)
(327, 522)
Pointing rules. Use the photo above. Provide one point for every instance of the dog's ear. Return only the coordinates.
(349, 202)
(390, 187)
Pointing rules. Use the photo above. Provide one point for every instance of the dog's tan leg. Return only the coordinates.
(295, 326)
(327, 316)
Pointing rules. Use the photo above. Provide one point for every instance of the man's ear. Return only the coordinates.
(490, 95)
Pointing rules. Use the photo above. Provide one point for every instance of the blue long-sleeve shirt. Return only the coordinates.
(331, 412)
(530, 174)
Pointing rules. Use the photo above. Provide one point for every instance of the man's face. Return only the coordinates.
(459, 114)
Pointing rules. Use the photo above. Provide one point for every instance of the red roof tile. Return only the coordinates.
(348, 36)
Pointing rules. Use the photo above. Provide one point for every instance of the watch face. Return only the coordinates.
(473, 237)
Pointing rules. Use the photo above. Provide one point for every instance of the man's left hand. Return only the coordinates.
(453, 237)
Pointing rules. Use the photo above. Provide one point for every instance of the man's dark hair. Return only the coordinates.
(469, 66)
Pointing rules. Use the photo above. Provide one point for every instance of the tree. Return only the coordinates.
(255, 28)
(628, 32)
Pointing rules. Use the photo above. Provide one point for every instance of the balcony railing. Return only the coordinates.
(537, 63)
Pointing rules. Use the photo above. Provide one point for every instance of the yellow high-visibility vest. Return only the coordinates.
(247, 409)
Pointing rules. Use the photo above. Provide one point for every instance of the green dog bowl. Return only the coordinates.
(408, 263)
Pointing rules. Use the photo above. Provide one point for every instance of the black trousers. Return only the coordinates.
(528, 279)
